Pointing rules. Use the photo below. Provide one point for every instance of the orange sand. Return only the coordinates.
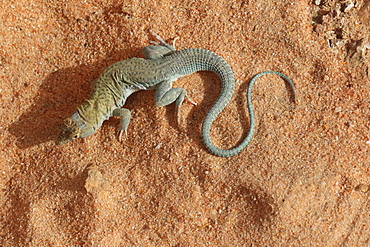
(303, 180)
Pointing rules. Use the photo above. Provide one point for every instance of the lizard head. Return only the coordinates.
(74, 127)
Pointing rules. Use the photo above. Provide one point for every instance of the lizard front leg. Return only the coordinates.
(125, 116)
(165, 95)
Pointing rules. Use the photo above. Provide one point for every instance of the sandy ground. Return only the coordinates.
(303, 180)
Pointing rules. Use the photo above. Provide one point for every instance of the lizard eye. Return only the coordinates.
(68, 122)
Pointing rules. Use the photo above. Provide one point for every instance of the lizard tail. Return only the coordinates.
(234, 151)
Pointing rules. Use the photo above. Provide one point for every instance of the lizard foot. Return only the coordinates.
(125, 116)
(162, 42)
(178, 106)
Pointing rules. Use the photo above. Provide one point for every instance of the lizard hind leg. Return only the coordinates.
(158, 49)
(165, 95)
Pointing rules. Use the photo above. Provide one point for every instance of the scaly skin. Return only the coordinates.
(163, 66)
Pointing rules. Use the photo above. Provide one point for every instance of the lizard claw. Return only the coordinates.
(154, 42)
(190, 100)
(173, 42)
(178, 115)
(120, 133)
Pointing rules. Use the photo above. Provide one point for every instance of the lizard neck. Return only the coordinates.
(106, 96)
(93, 112)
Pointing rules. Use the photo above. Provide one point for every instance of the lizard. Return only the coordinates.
(161, 66)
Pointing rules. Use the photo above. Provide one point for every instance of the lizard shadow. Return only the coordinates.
(53, 103)
(58, 96)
